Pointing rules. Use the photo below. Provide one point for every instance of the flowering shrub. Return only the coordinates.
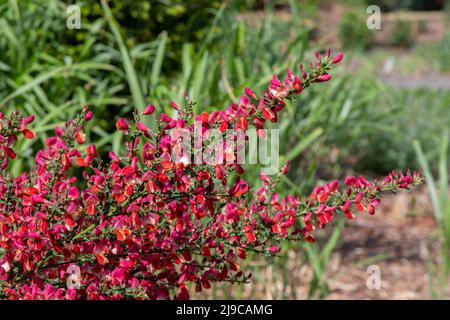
(143, 226)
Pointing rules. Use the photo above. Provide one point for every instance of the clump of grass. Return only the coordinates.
(439, 190)
(401, 35)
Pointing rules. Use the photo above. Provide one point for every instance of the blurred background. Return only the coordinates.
(387, 107)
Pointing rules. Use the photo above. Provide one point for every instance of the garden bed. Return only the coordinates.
(394, 240)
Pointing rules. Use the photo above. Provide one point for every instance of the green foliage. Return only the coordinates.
(443, 53)
(401, 35)
(437, 54)
(353, 31)
(144, 20)
(401, 118)
(438, 190)
(38, 63)
(319, 258)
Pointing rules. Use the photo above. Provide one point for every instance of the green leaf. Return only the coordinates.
(133, 82)
(429, 179)
(156, 68)
(55, 72)
(84, 232)
(304, 143)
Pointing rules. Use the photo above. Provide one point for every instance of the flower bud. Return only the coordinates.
(88, 115)
(122, 125)
(338, 58)
(149, 110)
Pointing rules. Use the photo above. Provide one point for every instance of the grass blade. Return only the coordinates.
(429, 179)
(304, 143)
(132, 78)
(156, 68)
(443, 174)
(54, 72)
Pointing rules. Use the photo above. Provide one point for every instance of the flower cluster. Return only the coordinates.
(9, 128)
(145, 227)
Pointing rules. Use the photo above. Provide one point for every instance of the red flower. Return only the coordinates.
(82, 162)
(239, 189)
(346, 208)
(101, 259)
(269, 115)
(138, 225)
(250, 236)
(28, 133)
(372, 205)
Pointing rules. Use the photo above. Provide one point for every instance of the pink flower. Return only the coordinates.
(142, 127)
(285, 168)
(372, 205)
(118, 276)
(122, 125)
(338, 58)
(88, 115)
(249, 93)
(174, 105)
(71, 294)
(323, 78)
(350, 180)
(74, 193)
(149, 110)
